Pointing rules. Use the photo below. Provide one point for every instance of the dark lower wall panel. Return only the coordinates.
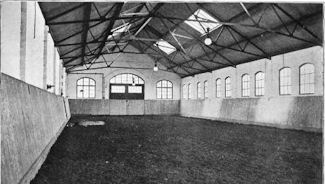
(31, 120)
(89, 106)
(305, 113)
(124, 107)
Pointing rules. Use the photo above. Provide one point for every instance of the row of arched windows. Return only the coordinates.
(86, 87)
(306, 84)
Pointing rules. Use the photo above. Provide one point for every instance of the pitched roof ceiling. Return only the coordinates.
(241, 33)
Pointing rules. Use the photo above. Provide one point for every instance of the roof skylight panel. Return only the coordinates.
(201, 21)
(165, 46)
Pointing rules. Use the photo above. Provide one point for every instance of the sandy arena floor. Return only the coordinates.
(172, 149)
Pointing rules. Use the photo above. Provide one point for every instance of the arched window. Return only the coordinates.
(86, 88)
(126, 86)
(259, 83)
(228, 87)
(285, 81)
(184, 91)
(218, 88)
(245, 87)
(189, 89)
(307, 79)
(164, 89)
(205, 89)
(199, 90)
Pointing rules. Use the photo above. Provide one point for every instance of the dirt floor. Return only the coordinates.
(172, 149)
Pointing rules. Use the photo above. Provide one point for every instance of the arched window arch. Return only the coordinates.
(189, 89)
(245, 85)
(285, 81)
(164, 89)
(126, 86)
(307, 79)
(126, 78)
(218, 88)
(199, 90)
(259, 83)
(86, 88)
(228, 87)
(205, 89)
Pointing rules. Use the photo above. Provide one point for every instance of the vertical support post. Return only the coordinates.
(23, 42)
(45, 58)
(54, 69)
(0, 41)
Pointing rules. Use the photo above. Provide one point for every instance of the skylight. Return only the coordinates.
(202, 27)
(165, 46)
(120, 29)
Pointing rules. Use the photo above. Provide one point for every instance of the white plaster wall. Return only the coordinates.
(289, 111)
(72, 84)
(11, 43)
(10, 38)
(34, 45)
(271, 69)
(127, 60)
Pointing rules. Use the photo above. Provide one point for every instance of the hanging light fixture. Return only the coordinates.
(133, 82)
(208, 40)
(155, 68)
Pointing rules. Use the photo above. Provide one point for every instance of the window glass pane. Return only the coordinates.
(164, 92)
(169, 93)
(119, 79)
(199, 92)
(130, 78)
(135, 89)
(86, 81)
(259, 84)
(140, 81)
(113, 80)
(80, 82)
(92, 82)
(245, 85)
(307, 79)
(206, 89)
(228, 87)
(117, 89)
(158, 92)
(202, 26)
(285, 81)
(189, 89)
(165, 46)
(218, 88)
(184, 91)
(86, 92)
(79, 92)
(165, 89)
(92, 92)
(124, 79)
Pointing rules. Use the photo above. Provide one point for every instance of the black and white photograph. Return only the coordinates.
(162, 92)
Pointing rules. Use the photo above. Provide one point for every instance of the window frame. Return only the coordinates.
(245, 84)
(166, 87)
(229, 86)
(199, 90)
(189, 91)
(83, 86)
(218, 91)
(256, 88)
(205, 89)
(300, 76)
(285, 94)
(184, 91)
